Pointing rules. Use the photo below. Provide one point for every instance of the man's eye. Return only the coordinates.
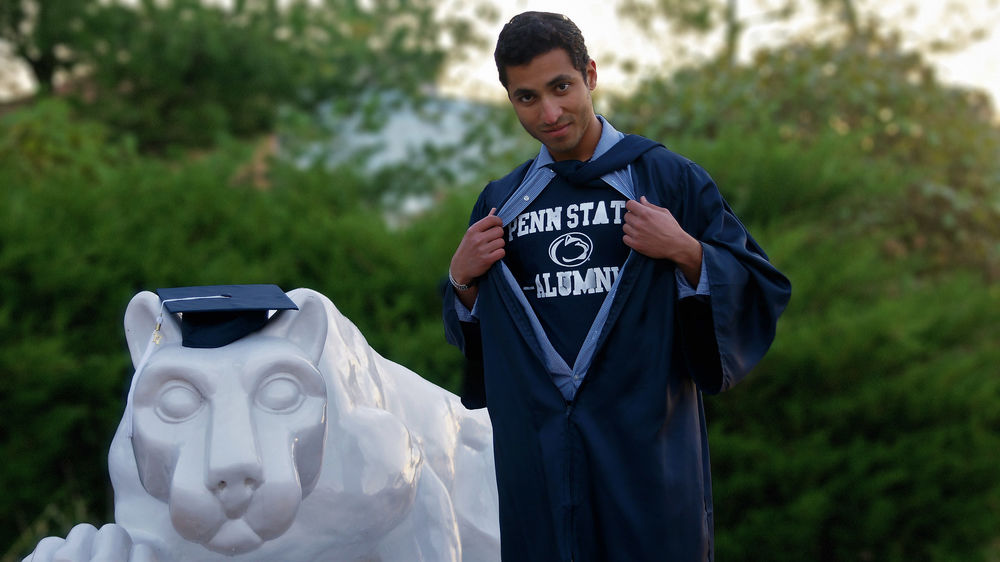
(525, 99)
(563, 87)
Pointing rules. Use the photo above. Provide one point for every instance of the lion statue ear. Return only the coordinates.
(140, 321)
(305, 327)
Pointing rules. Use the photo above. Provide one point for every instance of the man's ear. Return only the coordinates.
(305, 327)
(591, 74)
(140, 321)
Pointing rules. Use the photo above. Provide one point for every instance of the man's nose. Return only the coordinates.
(551, 111)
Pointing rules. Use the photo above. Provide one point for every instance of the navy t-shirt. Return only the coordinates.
(565, 250)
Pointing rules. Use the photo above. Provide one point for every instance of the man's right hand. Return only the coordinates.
(479, 249)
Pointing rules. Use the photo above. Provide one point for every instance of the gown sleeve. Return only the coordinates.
(466, 335)
(726, 335)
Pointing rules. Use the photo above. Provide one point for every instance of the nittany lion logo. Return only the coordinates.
(571, 249)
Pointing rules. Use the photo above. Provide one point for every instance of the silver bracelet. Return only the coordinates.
(458, 285)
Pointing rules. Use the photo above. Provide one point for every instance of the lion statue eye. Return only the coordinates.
(178, 401)
(280, 393)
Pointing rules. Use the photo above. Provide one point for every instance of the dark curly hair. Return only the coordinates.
(530, 34)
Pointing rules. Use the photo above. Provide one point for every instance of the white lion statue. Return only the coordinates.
(297, 442)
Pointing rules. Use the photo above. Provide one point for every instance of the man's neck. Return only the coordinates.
(588, 144)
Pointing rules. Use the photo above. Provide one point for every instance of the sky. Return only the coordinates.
(609, 36)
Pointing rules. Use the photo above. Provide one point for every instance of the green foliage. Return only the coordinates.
(40, 31)
(865, 434)
(957, 23)
(184, 72)
(700, 16)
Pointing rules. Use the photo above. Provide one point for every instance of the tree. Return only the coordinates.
(183, 71)
(41, 33)
(701, 18)
(956, 24)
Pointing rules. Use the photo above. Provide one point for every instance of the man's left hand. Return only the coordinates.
(654, 232)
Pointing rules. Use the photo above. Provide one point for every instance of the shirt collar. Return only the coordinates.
(609, 137)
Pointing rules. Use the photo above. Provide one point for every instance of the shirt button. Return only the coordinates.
(526, 198)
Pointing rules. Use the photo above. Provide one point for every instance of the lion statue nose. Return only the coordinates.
(234, 487)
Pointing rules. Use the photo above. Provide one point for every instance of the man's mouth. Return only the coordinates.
(558, 129)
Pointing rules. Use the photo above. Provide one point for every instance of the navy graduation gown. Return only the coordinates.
(621, 472)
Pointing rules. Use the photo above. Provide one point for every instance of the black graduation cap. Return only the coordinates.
(217, 315)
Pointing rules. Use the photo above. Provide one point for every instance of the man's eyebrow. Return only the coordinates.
(562, 78)
(523, 92)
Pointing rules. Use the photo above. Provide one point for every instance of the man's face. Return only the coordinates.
(552, 101)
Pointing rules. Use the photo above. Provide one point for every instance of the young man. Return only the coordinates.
(602, 287)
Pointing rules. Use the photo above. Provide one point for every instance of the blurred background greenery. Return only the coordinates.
(177, 142)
